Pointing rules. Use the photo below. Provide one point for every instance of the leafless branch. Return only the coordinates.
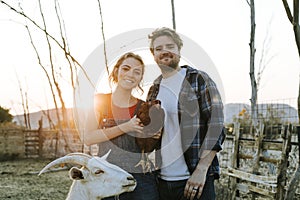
(247, 1)
(50, 36)
(65, 42)
(51, 64)
(104, 41)
(287, 10)
(41, 64)
(264, 60)
(23, 101)
(59, 92)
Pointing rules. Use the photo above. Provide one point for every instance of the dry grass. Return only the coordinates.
(19, 181)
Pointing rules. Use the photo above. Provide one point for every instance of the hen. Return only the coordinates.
(152, 117)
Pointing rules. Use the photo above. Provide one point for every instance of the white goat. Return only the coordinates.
(96, 179)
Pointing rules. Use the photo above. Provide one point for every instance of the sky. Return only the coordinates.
(220, 28)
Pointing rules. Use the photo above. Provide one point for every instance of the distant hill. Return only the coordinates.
(284, 111)
(36, 116)
(231, 110)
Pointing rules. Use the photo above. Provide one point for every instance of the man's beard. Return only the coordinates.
(170, 66)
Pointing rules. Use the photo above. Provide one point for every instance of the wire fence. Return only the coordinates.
(275, 111)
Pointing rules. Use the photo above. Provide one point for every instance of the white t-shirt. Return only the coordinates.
(173, 163)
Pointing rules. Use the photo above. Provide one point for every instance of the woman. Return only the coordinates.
(117, 126)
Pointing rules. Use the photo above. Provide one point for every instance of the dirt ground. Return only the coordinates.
(19, 180)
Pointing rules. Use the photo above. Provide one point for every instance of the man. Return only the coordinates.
(193, 130)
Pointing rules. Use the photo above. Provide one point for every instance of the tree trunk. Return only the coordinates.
(173, 14)
(290, 193)
(253, 99)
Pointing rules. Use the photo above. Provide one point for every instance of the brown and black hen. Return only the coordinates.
(152, 117)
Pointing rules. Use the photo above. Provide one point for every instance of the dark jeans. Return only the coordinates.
(146, 188)
(173, 190)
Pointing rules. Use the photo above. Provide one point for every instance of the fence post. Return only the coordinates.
(41, 137)
(234, 164)
(281, 174)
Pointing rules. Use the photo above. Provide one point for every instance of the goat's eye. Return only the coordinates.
(99, 171)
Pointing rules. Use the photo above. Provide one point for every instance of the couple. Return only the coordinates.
(193, 125)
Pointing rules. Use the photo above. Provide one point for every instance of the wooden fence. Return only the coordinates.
(11, 143)
(52, 143)
(256, 167)
(22, 143)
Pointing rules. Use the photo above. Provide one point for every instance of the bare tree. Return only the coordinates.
(52, 75)
(253, 100)
(51, 71)
(294, 19)
(49, 81)
(63, 47)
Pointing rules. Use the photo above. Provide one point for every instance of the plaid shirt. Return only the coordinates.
(200, 113)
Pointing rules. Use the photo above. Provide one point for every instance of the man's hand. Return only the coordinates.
(195, 183)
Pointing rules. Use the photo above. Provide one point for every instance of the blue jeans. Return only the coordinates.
(146, 188)
(173, 190)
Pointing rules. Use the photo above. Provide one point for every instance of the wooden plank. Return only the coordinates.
(270, 160)
(267, 145)
(246, 143)
(264, 180)
(31, 146)
(246, 188)
(268, 193)
(261, 158)
(245, 156)
(31, 131)
(272, 146)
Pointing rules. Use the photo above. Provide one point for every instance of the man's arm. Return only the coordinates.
(195, 183)
(212, 112)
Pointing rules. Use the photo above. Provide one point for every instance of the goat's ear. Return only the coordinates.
(106, 155)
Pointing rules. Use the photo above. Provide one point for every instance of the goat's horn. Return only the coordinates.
(74, 158)
(106, 155)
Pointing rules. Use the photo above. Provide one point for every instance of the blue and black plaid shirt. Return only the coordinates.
(200, 113)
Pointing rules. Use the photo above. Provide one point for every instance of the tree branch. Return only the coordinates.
(247, 1)
(287, 10)
(296, 12)
(104, 41)
(50, 36)
(65, 42)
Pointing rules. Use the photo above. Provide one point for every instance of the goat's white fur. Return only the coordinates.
(96, 179)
